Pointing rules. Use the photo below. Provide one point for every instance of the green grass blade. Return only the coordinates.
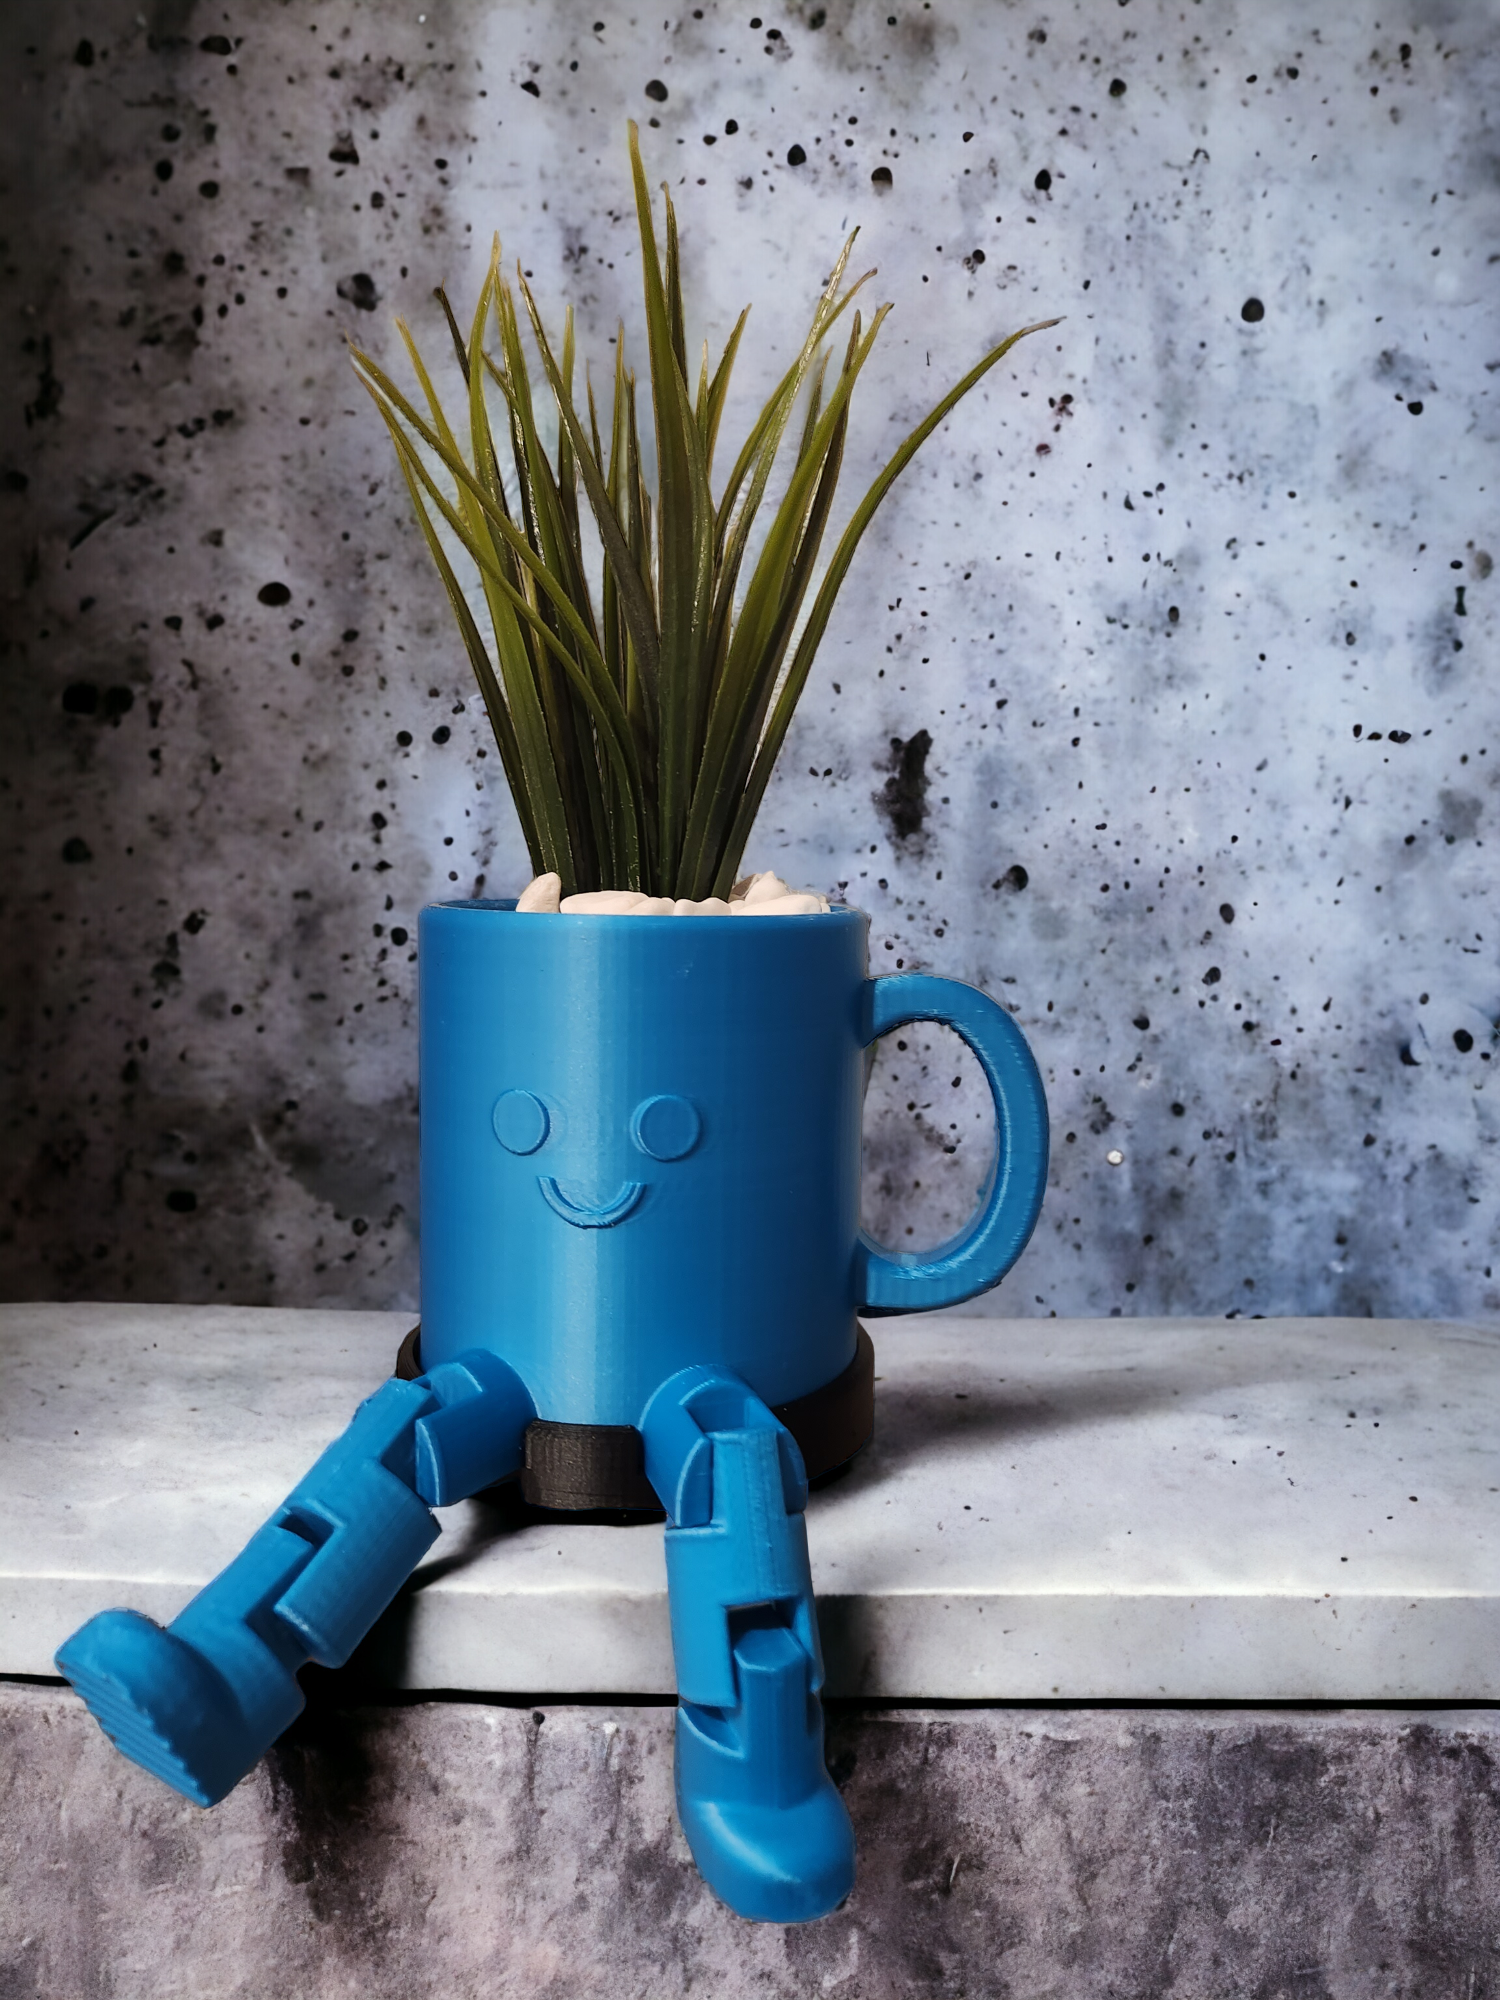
(759, 450)
(592, 683)
(718, 388)
(440, 294)
(681, 478)
(634, 600)
(700, 400)
(539, 799)
(769, 610)
(673, 287)
(640, 674)
(480, 516)
(556, 595)
(480, 553)
(838, 569)
(494, 701)
(793, 552)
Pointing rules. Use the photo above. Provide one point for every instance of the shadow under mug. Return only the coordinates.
(641, 1149)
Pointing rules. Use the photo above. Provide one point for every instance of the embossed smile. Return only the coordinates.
(589, 1215)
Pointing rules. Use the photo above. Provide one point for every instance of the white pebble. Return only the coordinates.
(603, 903)
(789, 905)
(762, 895)
(541, 895)
(765, 887)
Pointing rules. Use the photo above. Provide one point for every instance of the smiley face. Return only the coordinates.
(663, 1127)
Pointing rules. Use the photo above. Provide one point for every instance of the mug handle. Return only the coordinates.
(980, 1255)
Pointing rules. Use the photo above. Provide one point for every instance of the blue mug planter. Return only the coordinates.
(641, 1270)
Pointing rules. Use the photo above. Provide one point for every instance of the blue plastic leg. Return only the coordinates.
(200, 1702)
(761, 1814)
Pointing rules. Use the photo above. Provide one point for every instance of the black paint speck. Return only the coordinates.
(1015, 879)
(795, 157)
(534, 90)
(83, 55)
(398, 935)
(77, 850)
(182, 1201)
(344, 150)
(1141, 1021)
(209, 190)
(1043, 180)
(80, 698)
(441, 733)
(1253, 311)
(274, 593)
(1226, 913)
(656, 90)
(1463, 1041)
(1414, 409)
(163, 170)
(216, 45)
(903, 799)
(881, 177)
(1212, 976)
(1117, 87)
(360, 291)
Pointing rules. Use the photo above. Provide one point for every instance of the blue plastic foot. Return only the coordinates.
(166, 1707)
(765, 1821)
(200, 1703)
(761, 1814)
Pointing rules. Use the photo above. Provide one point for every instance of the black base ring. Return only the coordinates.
(591, 1468)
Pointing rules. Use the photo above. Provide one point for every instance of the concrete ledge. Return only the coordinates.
(1089, 1509)
(470, 1852)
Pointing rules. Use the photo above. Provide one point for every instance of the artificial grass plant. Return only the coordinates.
(638, 734)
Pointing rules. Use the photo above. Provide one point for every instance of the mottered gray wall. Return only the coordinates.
(1161, 702)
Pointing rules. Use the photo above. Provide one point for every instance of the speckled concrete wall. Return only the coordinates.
(468, 1852)
(1194, 770)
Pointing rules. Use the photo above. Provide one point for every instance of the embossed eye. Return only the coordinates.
(520, 1120)
(666, 1128)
